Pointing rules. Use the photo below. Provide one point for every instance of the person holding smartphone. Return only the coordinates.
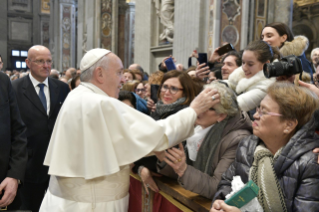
(176, 92)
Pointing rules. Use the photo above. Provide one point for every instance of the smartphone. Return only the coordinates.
(202, 58)
(154, 92)
(226, 48)
(170, 65)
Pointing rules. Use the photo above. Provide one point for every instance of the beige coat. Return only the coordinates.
(196, 181)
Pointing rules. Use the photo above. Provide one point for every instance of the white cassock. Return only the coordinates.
(94, 140)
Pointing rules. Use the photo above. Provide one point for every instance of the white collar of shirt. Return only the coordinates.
(45, 89)
(36, 82)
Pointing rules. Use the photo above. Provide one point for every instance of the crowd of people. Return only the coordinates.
(201, 126)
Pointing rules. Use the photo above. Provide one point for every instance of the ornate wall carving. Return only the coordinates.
(20, 29)
(45, 6)
(261, 9)
(20, 5)
(106, 23)
(67, 36)
(231, 22)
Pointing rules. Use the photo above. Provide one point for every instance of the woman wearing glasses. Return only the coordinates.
(212, 148)
(176, 93)
(279, 157)
(140, 89)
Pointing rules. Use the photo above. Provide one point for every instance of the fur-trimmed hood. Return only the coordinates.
(296, 47)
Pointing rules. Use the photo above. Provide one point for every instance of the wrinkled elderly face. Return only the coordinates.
(114, 76)
(208, 118)
(315, 57)
(268, 125)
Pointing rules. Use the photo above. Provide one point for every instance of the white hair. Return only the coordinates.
(313, 51)
(87, 75)
(228, 100)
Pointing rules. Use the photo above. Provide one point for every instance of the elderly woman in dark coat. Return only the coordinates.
(279, 157)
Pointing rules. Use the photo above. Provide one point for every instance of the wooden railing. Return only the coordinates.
(183, 199)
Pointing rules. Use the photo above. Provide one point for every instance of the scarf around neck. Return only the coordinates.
(162, 109)
(270, 195)
(208, 148)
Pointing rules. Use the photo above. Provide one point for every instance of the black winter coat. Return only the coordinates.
(297, 169)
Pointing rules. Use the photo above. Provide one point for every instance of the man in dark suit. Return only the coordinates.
(13, 146)
(40, 99)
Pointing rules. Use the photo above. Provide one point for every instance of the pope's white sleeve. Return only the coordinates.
(179, 126)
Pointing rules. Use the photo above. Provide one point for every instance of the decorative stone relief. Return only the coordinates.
(230, 35)
(106, 24)
(20, 29)
(66, 36)
(45, 6)
(232, 9)
(45, 33)
(20, 5)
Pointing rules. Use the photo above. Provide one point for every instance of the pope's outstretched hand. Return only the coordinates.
(205, 100)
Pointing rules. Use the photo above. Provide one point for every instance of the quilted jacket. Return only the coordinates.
(297, 169)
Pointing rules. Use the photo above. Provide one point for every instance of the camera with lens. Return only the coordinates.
(288, 66)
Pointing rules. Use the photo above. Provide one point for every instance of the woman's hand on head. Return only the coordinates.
(147, 179)
(220, 205)
(176, 158)
(202, 71)
(205, 100)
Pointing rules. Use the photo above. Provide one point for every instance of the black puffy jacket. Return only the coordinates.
(297, 169)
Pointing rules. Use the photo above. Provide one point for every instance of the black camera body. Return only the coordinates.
(288, 66)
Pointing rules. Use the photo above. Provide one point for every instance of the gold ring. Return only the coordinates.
(180, 159)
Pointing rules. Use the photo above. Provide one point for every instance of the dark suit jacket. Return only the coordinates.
(13, 142)
(39, 124)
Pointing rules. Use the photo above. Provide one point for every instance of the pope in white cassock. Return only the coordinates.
(96, 137)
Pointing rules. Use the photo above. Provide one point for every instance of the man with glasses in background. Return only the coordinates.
(39, 99)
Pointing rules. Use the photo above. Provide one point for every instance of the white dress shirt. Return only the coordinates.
(45, 88)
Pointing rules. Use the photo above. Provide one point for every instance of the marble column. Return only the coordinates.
(63, 33)
(142, 39)
(129, 34)
(4, 33)
(280, 11)
(216, 24)
(191, 20)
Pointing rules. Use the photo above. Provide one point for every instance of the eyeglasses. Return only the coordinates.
(42, 62)
(262, 113)
(173, 90)
(139, 90)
